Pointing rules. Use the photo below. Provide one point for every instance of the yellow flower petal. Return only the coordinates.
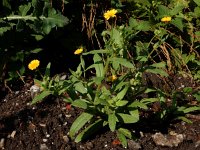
(110, 14)
(112, 78)
(78, 51)
(33, 64)
(166, 19)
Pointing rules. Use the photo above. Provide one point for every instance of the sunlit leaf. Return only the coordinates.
(91, 129)
(126, 118)
(81, 103)
(112, 121)
(41, 96)
(122, 139)
(79, 123)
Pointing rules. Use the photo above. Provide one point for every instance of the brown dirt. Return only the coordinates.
(46, 125)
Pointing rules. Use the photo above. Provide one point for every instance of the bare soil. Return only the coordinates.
(46, 125)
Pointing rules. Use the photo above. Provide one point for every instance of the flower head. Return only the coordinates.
(33, 64)
(112, 78)
(166, 19)
(110, 14)
(78, 51)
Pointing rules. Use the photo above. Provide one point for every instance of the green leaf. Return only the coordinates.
(80, 88)
(158, 71)
(117, 38)
(149, 100)
(159, 65)
(163, 11)
(98, 64)
(197, 95)
(4, 29)
(97, 52)
(79, 123)
(133, 22)
(135, 114)
(177, 9)
(136, 104)
(91, 129)
(81, 103)
(148, 90)
(41, 96)
(37, 50)
(54, 19)
(121, 103)
(112, 119)
(178, 22)
(47, 71)
(122, 93)
(122, 139)
(187, 89)
(123, 62)
(191, 109)
(184, 119)
(197, 2)
(23, 9)
(126, 118)
(144, 26)
(125, 132)
(197, 11)
(6, 3)
(98, 80)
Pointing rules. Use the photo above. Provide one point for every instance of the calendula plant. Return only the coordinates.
(105, 97)
(48, 85)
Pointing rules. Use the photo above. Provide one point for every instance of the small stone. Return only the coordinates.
(35, 90)
(48, 135)
(141, 134)
(42, 125)
(43, 147)
(82, 147)
(65, 123)
(32, 127)
(16, 104)
(89, 145)
(172, 140)
(65, 138)
(197, 143)
(68, 116)
(44, 140)
(13, 134)
(133, 145)
(2, 142)
(17, 92)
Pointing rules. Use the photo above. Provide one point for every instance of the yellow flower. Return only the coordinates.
(166, 19)
(110, 14)
(112, 78)
(33, 64)
(78, 51)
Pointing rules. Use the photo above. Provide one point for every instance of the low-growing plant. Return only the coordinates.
(48, 85)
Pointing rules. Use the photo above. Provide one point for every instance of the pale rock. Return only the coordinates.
(132, 145)
(172, 140)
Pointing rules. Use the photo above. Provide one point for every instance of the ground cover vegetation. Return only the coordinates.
(106, 49)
